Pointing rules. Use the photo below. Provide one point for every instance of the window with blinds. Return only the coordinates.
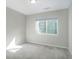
(49, 26)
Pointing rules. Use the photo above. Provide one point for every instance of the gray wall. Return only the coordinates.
(61, 40)
(15, 26)
(70, 29)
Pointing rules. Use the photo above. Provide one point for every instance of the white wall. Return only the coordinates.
(70, 29)
(15, 26)
(61, 40)
(23, 29)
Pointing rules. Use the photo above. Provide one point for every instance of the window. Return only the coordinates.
(49, 26)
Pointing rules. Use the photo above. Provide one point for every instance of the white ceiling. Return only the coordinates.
(25, 7)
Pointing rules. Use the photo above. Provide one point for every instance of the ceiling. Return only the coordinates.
(25, 7)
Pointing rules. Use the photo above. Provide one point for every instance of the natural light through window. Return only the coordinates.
(49, 26)
(13, 47)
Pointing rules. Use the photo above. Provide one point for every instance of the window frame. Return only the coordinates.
(46, 20)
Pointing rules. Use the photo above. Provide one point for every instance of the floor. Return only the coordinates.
(30, 51)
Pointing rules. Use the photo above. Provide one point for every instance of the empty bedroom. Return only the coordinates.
(38, 29)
